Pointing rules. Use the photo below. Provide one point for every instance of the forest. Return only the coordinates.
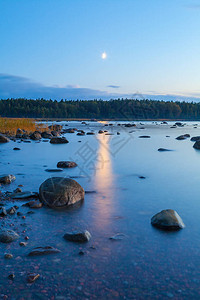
(120, 109)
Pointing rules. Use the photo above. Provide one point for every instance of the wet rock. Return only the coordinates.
(179, 124)
(11, 276)
(24, 195)
(142, 177)
(19, 133)
(117, 237)
(144, 137)
(101, 131)
(118, 133)
(43, 251)
(16, 148)
(8, 236)
(55, 127)
(11, 211)
(7, 179)
(167, 219)
(54, 170)
(60, 191)
(32, 277)
(66, 164)
(35, 136)
(3, 212)
(182, 137)
(81, 133)
(3, 139)
(22, 244)
(79, 237)
(18, 190)
(195, 138)
(34, 204)
(197, 145)
(8, 255)
(90, 133)
(55, 133)
(46, 135)
(163, 150)
(70, 130)
(59, 140)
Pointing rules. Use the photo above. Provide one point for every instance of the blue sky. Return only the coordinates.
(52, 48)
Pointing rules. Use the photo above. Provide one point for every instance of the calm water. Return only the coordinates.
(147, 263)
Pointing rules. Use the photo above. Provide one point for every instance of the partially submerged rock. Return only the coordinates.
(66, 164)
(8, 236)
(182, 137)
(6, 178)
(35, 136)
(167, 219)
(78, 237)
(163, 150)
(60, 192)
(59, 140)
(32, 277)
(34, 204)
(23, 195)
(43, 251)
(53, 170)
(3, 139)
(197, 145)
(195, 138)
(144, 136)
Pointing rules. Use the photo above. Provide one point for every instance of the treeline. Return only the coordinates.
(120, 109)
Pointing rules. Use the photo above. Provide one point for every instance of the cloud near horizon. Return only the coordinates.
(20, 87)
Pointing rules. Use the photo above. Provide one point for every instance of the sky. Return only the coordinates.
(53, 49)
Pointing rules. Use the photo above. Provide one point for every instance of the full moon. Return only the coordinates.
(104, 55)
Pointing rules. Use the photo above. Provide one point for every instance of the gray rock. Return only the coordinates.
(66, 164)
(59, 140)
(7, 179)
(24, 195)
(195, 138)
(78, 237)
(8, 236)
(60, 191)
(3, 139)
(167, 219)
(43, 251)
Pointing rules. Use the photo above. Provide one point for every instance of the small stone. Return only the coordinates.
(32, 277)
(11, 276)
(23, 244)
(8, 255)
(79, 237)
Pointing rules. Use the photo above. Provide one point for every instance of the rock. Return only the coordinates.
(118, 133)
(55, 127)
(70, 130)
(32, 277)
(34, 204)
(78, 237)
(66, 164)
(195, 138)
(11, 276)
(16, 148)
(142, 177)
(101, 131)
(22, 244)
(60, 191)
(59, 140)
(43, 251)
(24, 195)
(8, 256)
(81, 133)
(3, 212)
(7, 179)
(182, 137)
(163, 149)
(35, 136)
(197, 145)
(55, 133)
(179, 124)
(18, 190)
(8, 236)
(144, 137)
(90, 133)
(117, 237)
(167, 219)
(19, 133)
(53, 170)
(46, 135)
(3, 139)
(11, 211)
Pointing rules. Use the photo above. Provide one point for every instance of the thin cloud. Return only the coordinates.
(114, 86)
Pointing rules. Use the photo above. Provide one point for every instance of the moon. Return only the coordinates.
(104, 55)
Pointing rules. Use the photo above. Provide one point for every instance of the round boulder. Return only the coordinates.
(60, 191)
(167, 219)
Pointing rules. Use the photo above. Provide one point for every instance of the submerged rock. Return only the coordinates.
(23, 195)
(66, 164)
(53, 170)
(7, 179)
(78, 237)
(144, 136)
(8, 236)
(163, 150)
(3, 139)
(167, 219)
(59, 140)
(60, 191)
(43, 251)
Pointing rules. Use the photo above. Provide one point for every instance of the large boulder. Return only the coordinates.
(35, 136)
(3, 139)
(6, 179)
(167, 219)
(66, 164)
(46, 135)
(59, 140)
(8, 236)
(60, 192)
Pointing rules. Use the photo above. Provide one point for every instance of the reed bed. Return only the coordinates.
(10, 125)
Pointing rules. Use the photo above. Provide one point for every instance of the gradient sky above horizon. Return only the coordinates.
(152, 47)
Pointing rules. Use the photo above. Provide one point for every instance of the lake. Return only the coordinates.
(145, 263)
